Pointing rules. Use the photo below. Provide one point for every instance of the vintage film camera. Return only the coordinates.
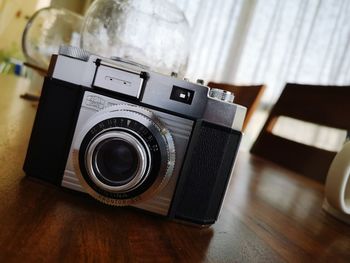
(130, 136)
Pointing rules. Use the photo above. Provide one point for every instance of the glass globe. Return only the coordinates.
(154, 33)
(46, 30)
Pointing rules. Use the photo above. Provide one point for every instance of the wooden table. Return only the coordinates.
(269, 214)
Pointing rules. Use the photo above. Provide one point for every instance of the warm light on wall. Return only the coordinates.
(42, 4)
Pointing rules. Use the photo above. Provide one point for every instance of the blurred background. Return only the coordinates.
(239, 42)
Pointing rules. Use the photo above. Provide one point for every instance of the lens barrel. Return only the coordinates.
(117, 161)
(123, 155)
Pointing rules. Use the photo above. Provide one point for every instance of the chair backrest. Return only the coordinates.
(245, 95)
(323, 105)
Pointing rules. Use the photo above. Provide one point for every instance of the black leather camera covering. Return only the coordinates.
(205, 173)
(53, 130)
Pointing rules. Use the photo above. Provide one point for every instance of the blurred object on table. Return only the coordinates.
(337, 188)
(10, 62)
(12, 66)
(154, 33)
(45, 31)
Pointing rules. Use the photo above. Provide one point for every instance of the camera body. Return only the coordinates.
(129, 136)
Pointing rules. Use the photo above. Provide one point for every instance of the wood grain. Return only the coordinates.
(269, 214)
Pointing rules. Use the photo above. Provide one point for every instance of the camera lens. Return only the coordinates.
(124, 155)
(116, 161)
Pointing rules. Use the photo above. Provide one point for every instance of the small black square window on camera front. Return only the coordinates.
(182, 95)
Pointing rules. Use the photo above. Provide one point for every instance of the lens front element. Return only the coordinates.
(117, 161)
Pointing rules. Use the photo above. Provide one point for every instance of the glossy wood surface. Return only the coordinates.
(269, 214)
(323, 105)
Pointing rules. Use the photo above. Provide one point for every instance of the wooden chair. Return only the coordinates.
(248, 96)
(323, 105)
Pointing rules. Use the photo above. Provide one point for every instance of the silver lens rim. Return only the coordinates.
(159, 131)
(143, 154)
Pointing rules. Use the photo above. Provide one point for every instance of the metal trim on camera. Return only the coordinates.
(125, 81)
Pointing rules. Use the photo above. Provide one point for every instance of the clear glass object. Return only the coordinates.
(154, 33)
(46, 30)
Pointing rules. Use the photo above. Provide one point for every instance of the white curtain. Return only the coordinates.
(269, 41)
